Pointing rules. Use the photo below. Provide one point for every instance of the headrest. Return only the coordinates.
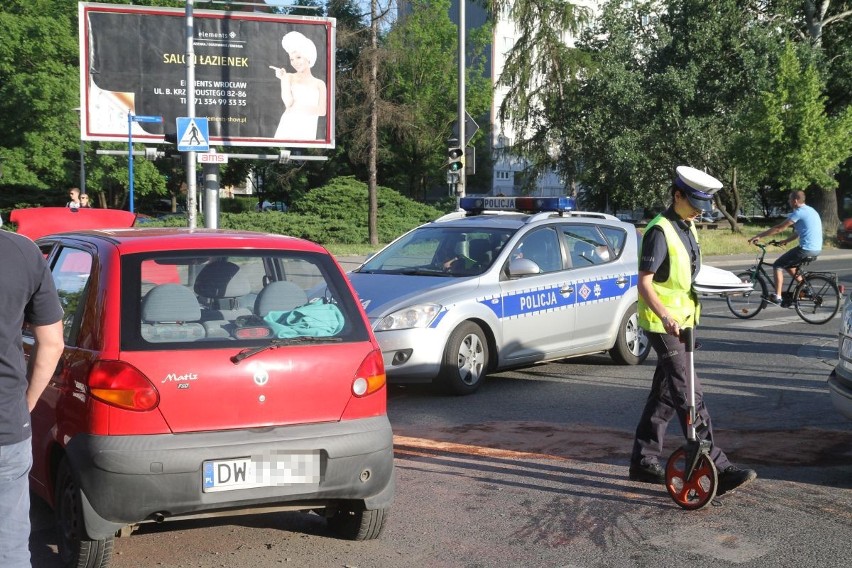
(222, 280)
(279, 296)
(170, 303)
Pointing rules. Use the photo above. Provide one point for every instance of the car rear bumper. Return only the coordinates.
(840, 389)
(130, 479)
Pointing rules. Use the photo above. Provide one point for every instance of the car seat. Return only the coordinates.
(280, 296)
(480, 251)
(171, 313)
(223, 286)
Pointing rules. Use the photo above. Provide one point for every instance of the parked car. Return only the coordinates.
(840, 380)
(504, 282)
(844, 233)
(201, 377)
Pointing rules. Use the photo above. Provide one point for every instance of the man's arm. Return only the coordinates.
(49, 343)
(783, 225)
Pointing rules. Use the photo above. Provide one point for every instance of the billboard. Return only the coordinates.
(260, 79)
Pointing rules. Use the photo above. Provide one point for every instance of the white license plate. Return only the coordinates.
(264, 471)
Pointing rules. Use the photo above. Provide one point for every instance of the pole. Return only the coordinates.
(82, 166)
(191, 205)
(210, 173)
(460, 192)
(130, 154)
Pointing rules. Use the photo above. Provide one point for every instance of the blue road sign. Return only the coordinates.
(145, 118)
(193, 134)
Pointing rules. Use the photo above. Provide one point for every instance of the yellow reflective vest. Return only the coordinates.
(676, 292)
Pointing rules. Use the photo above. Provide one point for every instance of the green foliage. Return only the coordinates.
(796, 144)
(332, 215)
(422, 85)
(344, 200)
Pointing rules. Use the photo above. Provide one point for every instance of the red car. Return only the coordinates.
(207, 371)
(844, 233)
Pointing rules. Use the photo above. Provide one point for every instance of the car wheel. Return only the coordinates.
(465, 360)
(358, 523)
(631, 345)
(76, 549)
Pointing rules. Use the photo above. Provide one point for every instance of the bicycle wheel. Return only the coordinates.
(748, 304)
(817, 298)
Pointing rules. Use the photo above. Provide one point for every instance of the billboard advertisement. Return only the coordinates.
(260, 79)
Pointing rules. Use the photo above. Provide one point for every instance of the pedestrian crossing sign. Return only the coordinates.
(193, 134)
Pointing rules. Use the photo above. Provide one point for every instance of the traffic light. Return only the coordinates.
(455, 158)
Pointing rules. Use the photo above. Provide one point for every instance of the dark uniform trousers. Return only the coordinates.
(667, 397)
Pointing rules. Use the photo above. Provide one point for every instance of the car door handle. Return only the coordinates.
(621, 281)
(565, 290)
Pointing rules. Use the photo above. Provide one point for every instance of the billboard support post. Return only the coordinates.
(131, 118)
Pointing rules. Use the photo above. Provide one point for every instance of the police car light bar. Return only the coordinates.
(527, 204)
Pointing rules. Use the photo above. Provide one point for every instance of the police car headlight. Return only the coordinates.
(414, 316)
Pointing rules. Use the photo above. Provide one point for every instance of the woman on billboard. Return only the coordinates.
(304, 95)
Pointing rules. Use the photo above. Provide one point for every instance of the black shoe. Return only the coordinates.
(773, 299)
(732, 477)
(648, 473)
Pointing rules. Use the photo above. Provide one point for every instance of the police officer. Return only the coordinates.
(669, 262)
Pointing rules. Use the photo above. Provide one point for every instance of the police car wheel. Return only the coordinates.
(465, 361)
(632, 345)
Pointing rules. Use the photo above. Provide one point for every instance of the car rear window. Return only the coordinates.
(216, 298)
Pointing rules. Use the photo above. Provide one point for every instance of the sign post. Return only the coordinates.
(131, 118)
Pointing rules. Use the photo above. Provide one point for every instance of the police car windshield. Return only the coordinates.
(440, 251)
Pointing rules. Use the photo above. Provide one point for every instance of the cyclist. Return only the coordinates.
(807, 227)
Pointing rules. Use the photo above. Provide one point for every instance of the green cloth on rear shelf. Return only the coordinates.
(314, 319)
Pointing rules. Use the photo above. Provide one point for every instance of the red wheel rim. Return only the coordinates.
(696, 492)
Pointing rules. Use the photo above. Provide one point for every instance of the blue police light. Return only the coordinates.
(526, 204)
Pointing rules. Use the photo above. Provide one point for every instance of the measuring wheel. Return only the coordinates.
(697, 491)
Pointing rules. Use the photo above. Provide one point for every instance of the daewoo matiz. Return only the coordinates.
(201, 376)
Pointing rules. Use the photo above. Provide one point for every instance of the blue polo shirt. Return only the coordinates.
(808, 226)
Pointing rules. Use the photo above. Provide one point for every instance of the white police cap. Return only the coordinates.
(698, 186)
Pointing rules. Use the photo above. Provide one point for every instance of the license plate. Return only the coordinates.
(265, 471)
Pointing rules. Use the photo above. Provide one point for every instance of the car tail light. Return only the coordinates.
(252, 332)
(123, 385)
(370, 376)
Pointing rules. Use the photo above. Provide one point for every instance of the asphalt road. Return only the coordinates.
(531, 471)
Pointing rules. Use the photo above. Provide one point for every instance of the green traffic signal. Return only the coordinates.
(455, 159)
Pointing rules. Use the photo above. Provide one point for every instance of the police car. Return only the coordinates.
(503, 282)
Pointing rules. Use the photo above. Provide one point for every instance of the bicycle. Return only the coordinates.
(814, 295)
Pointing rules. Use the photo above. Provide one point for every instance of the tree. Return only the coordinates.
(665, 86)
(797, 145)
(38, 60)
(540, 69)
(422, 83)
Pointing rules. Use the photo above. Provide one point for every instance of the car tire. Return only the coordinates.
(358, 523)
(632, 345)
(76, 549)
(465, 361)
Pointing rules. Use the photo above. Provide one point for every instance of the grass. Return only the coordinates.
(722, 241)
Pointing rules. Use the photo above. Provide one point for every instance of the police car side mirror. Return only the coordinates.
(523, 267)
